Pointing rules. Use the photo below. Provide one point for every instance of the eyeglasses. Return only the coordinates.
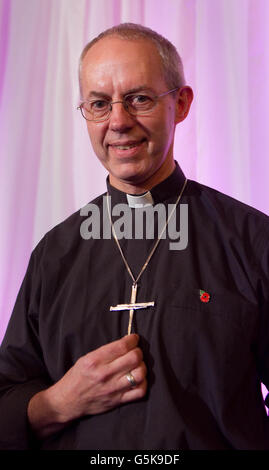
(135, 103)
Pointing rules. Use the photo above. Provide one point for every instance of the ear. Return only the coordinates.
(183, 103)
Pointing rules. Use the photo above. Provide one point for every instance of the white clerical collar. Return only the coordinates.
(142, 200)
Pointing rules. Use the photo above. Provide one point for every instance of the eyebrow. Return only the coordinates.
(97, 94)
(100, 94)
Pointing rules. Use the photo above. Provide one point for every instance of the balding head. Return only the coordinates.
(172, 66)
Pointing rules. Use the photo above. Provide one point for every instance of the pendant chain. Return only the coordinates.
(135, 280)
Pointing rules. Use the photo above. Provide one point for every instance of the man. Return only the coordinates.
(187, 375)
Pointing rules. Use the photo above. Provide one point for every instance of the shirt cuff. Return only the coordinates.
(15, 430)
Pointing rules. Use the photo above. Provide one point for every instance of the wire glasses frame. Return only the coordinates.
(127, 106)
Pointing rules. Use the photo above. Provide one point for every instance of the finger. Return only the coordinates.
(129, 361)
(134, 393)
(121, 384)
(111, 351)
(138, 375)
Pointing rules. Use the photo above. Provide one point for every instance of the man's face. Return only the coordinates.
(113, 68)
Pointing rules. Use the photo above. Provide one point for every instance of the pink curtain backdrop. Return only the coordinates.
(47, 166)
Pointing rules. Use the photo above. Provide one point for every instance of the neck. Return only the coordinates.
(140, 187)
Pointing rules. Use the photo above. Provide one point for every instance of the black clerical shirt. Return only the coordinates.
(205, 342)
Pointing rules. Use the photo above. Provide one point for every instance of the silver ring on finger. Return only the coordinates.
(131, 379)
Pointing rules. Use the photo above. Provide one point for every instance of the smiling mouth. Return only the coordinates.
(127, 146)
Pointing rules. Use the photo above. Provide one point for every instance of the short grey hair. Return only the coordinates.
(171, 61)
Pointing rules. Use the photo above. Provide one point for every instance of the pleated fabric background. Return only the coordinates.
(47, 166)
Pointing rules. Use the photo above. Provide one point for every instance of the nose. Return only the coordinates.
(120, 119)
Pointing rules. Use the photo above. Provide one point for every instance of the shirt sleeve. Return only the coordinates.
(22, 369)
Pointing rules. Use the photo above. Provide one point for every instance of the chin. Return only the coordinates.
(132, 173)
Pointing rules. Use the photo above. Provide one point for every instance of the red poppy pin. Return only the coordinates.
(204, 296)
